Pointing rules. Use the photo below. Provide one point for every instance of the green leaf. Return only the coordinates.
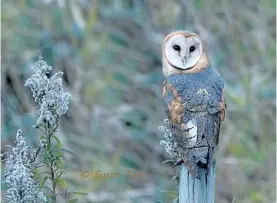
(78, 193)
(62, 183)
(36, 173)
(43, 181)
(58, 162)
(59, 144)
(72, 201)
(170, 193)
(58, 176)
(178, 179)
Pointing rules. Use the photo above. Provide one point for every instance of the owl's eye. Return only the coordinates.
(192, 48)
(177, 47)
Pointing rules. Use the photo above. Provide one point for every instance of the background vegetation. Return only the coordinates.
(110, 53)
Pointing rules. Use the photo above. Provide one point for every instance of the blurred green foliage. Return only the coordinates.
(110, 53)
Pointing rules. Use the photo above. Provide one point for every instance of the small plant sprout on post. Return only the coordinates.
(193, 94)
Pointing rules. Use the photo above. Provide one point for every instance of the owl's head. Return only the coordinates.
(183, 52)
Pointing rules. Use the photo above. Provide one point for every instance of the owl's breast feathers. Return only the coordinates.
(196, 92)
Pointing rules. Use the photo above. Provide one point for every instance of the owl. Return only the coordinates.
(193, 94)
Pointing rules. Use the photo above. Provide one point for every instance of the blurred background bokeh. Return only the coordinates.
(110, 53)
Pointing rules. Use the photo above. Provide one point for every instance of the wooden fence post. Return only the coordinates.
(192, 190)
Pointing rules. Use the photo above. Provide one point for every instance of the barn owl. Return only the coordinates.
(193, 93)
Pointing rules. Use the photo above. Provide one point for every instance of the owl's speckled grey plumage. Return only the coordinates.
(196, 99)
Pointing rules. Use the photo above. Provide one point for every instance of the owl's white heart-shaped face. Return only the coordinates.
(183, 52)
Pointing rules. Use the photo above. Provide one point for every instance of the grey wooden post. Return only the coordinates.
(193, 190)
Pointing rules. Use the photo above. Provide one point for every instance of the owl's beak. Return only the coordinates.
(184, 60)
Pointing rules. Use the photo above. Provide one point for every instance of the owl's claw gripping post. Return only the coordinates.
(178, 163)
(181, 161)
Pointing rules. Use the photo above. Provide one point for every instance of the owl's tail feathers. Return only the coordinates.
(197, 160)
(186, 161)
(211, 160)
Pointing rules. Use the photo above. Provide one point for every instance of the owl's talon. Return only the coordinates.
(178, 163)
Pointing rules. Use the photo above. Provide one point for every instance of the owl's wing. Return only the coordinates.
(220, 118)
(223, 106)
(174, 107)
(208, 126)
(175, 111)
(196, 149)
